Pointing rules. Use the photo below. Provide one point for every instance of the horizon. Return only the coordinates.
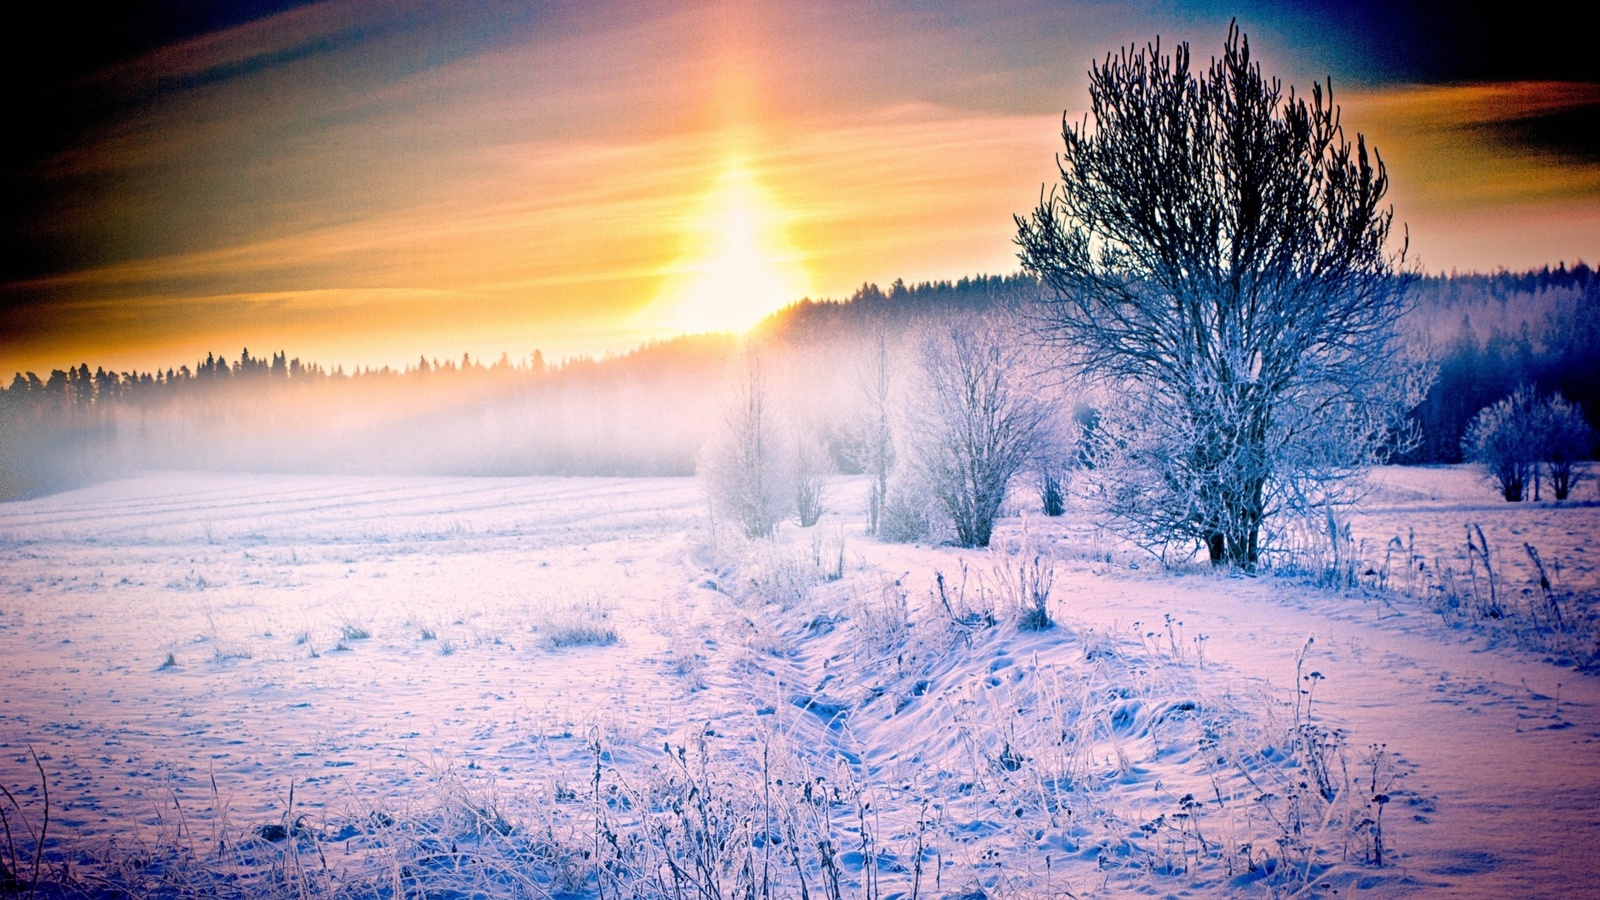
(370, 184)
(549, 361)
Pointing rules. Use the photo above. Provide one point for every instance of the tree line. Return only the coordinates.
(79, 387)
(1492, 335)
(635, 414)
(1489, 335)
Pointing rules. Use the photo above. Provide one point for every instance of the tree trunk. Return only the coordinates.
(1217, 546)
(1561, 479)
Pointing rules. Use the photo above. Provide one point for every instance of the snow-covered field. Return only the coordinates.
(289, 685)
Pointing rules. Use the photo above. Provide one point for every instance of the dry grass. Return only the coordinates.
(1468, 588)
(580, 622)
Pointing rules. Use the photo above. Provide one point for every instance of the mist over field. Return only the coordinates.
(648, 412)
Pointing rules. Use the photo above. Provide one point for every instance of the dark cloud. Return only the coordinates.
(1512, 42)
(87, 75)
(1573, 134)
(1435, 42)
(53, 102)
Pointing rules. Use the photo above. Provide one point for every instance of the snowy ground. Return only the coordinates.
(384, 686)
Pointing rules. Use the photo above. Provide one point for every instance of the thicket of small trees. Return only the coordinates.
(975, 424)
(942, 427)
(1520, 440)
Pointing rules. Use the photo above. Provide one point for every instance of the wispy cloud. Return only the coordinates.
(559, 238)
(1474, 192)
(1456, 145)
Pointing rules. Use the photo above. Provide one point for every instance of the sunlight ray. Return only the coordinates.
(739, 265)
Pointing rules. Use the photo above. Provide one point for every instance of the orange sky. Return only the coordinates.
(361, 184)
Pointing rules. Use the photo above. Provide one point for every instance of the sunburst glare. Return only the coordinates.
(738, 266)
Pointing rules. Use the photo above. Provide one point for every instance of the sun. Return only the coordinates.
(739, 266)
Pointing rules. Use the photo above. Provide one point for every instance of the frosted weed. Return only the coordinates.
(881, 616)
(585, 621)
(350, 630)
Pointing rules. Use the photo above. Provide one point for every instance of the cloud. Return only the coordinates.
(539, 238)
(1477, 189)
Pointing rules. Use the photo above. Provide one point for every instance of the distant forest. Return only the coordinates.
(647, 412)
(1491, 334)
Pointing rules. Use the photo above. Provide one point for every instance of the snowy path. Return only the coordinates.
(1500, 751)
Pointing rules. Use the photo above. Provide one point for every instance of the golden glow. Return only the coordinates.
(738, 266)
(361, 189)
(1440, 144)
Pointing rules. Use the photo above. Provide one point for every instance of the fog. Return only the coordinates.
(640, 414)
(649, 412)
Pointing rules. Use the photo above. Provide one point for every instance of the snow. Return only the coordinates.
(388, 665)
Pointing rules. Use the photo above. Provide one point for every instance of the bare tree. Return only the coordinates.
(743, 467)
(1564, 438)
(1516, 435)
(1503, 438)
(975, 425)
(1216, 255)
(813, 468)
(874, 437)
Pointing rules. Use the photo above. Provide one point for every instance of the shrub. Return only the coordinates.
(1502, 438)
(583, 622)
(742, 467)
(1052, 499)
(813, 468)
(1564, 438)
(904, 517)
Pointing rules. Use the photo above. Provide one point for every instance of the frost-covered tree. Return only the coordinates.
(1504, 438)
(1564, 438)
(974, 424)
(1052, 495)
(1216, 256)
(813, 468)
(744, 466)
(874, 447)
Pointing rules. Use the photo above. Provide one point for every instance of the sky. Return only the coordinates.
(364, 184)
